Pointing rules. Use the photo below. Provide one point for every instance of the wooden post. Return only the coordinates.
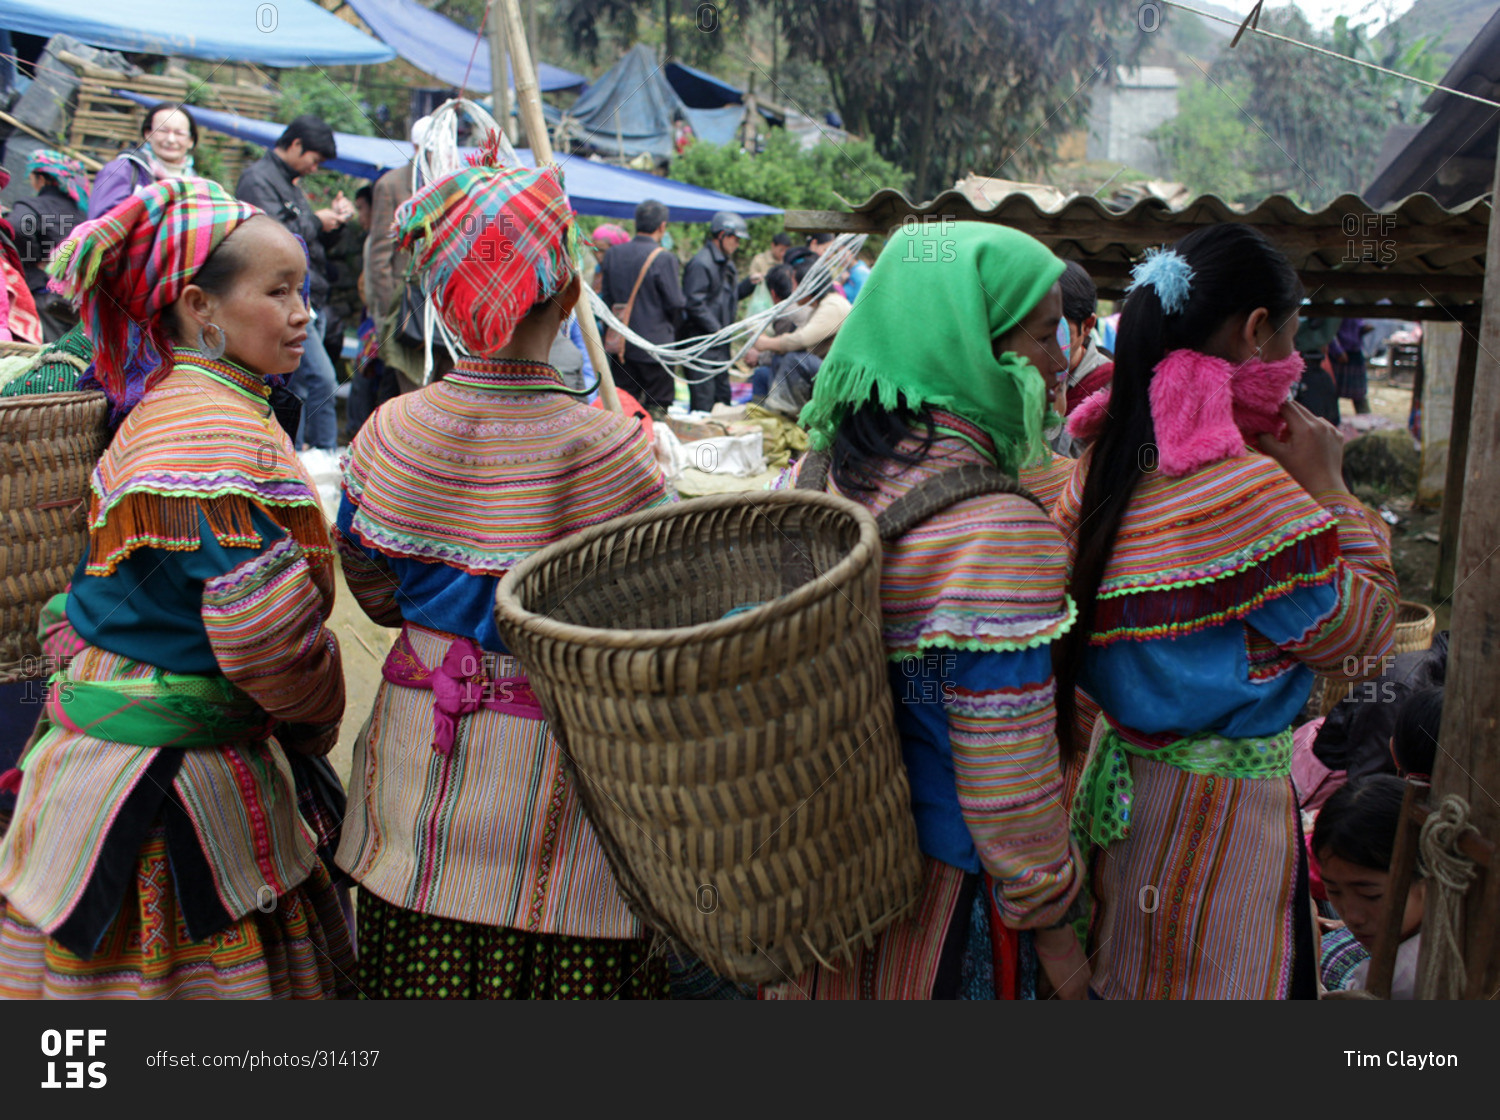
(499, 84)
(1458, 454)
(529, 104)
(1468, 763)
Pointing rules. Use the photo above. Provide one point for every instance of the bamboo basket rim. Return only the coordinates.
(42, 400)
(820, 587)
(1409, 612)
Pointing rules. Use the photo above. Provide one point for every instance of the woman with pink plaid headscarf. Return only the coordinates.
(479, 875)
(174, 813)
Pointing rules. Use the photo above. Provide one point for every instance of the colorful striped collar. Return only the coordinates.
(253, 385)
(950, 424)
(505, 373)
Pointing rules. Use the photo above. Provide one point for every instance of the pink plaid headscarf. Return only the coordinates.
(495, 242)
(125, 268)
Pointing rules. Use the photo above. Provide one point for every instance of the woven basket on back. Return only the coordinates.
(48, 447)
(744, 774)
(29, 349)
(1415, 625)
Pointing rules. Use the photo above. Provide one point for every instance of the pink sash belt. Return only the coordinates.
(460, 687)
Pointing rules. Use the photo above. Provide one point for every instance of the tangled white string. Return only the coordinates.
(687, 360)
(439, 154)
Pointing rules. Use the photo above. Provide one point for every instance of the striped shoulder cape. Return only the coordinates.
(1196, 551)
(203, 444)
(481, 469)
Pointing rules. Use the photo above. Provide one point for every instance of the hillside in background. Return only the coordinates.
(1457, 22)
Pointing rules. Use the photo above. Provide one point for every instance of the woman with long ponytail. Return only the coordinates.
(1218, 562)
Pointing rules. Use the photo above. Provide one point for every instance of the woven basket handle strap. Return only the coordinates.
(814, 472)
(927, 499)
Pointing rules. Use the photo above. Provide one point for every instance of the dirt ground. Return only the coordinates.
(364, 647)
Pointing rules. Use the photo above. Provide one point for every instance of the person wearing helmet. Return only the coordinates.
(713, 290)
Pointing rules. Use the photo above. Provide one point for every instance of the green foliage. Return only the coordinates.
(338, 103)
(942, 87)
(948, 87)
(1211, 145)
(209, 164)
(1315, 123)
(785, 176)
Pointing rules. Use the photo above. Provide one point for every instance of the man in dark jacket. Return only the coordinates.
(658, 304)
(713, 290)
(271, 183)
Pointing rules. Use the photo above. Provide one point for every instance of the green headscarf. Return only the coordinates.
(924, 326)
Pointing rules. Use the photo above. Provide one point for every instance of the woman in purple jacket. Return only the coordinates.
(168, 136)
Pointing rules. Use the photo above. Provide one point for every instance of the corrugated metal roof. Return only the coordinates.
(1416, 250)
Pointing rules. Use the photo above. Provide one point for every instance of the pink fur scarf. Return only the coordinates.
(1204, 408)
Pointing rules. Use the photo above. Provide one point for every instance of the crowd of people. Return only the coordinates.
(1101, 667)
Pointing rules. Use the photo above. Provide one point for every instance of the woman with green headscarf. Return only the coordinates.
(944, 363)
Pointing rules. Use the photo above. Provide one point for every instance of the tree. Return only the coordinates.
(1210, 145)
(942, 87)
(1321, 120)
(955, 86)
(785, 176)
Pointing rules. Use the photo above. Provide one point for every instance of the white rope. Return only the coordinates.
(439, 154)
(1449, 873)
(688, 357)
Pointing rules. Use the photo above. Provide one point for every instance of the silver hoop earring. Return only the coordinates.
(216, 350)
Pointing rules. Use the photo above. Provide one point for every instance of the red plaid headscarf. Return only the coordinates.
(125, 268)
(496, 242)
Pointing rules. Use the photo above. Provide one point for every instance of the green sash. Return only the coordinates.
(164, 710)
(1101, 807)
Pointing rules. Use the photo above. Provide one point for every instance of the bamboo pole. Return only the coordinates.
(529, 104)
(89, 163)
(499, 84)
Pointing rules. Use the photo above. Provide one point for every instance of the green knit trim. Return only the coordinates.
(1252, 559)
(1042, 637)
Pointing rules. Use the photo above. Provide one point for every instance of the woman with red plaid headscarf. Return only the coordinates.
(174, 813)
(479, 875)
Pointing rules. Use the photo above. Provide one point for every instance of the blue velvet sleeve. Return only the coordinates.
(151, 607)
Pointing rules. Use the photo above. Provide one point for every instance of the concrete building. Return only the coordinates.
(1124, 113)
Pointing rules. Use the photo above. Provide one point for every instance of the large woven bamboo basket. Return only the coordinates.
(1415, 625)
(743, 773)
(48, 446)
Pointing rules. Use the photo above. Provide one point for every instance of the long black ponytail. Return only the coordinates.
(1235, 271)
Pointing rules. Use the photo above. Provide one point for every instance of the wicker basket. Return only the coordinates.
(744, 773)
(10, 348)
(1415, 625)
(48, 446)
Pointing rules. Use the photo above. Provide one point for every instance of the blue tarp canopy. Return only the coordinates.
(287, 33)
(631, 110)
(435, 45)
(598, 189)
(700, 90)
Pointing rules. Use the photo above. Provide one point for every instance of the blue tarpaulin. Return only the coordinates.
(285, 33)
(435, 45)
(700, 90)
(598, 189)
(632, 108)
